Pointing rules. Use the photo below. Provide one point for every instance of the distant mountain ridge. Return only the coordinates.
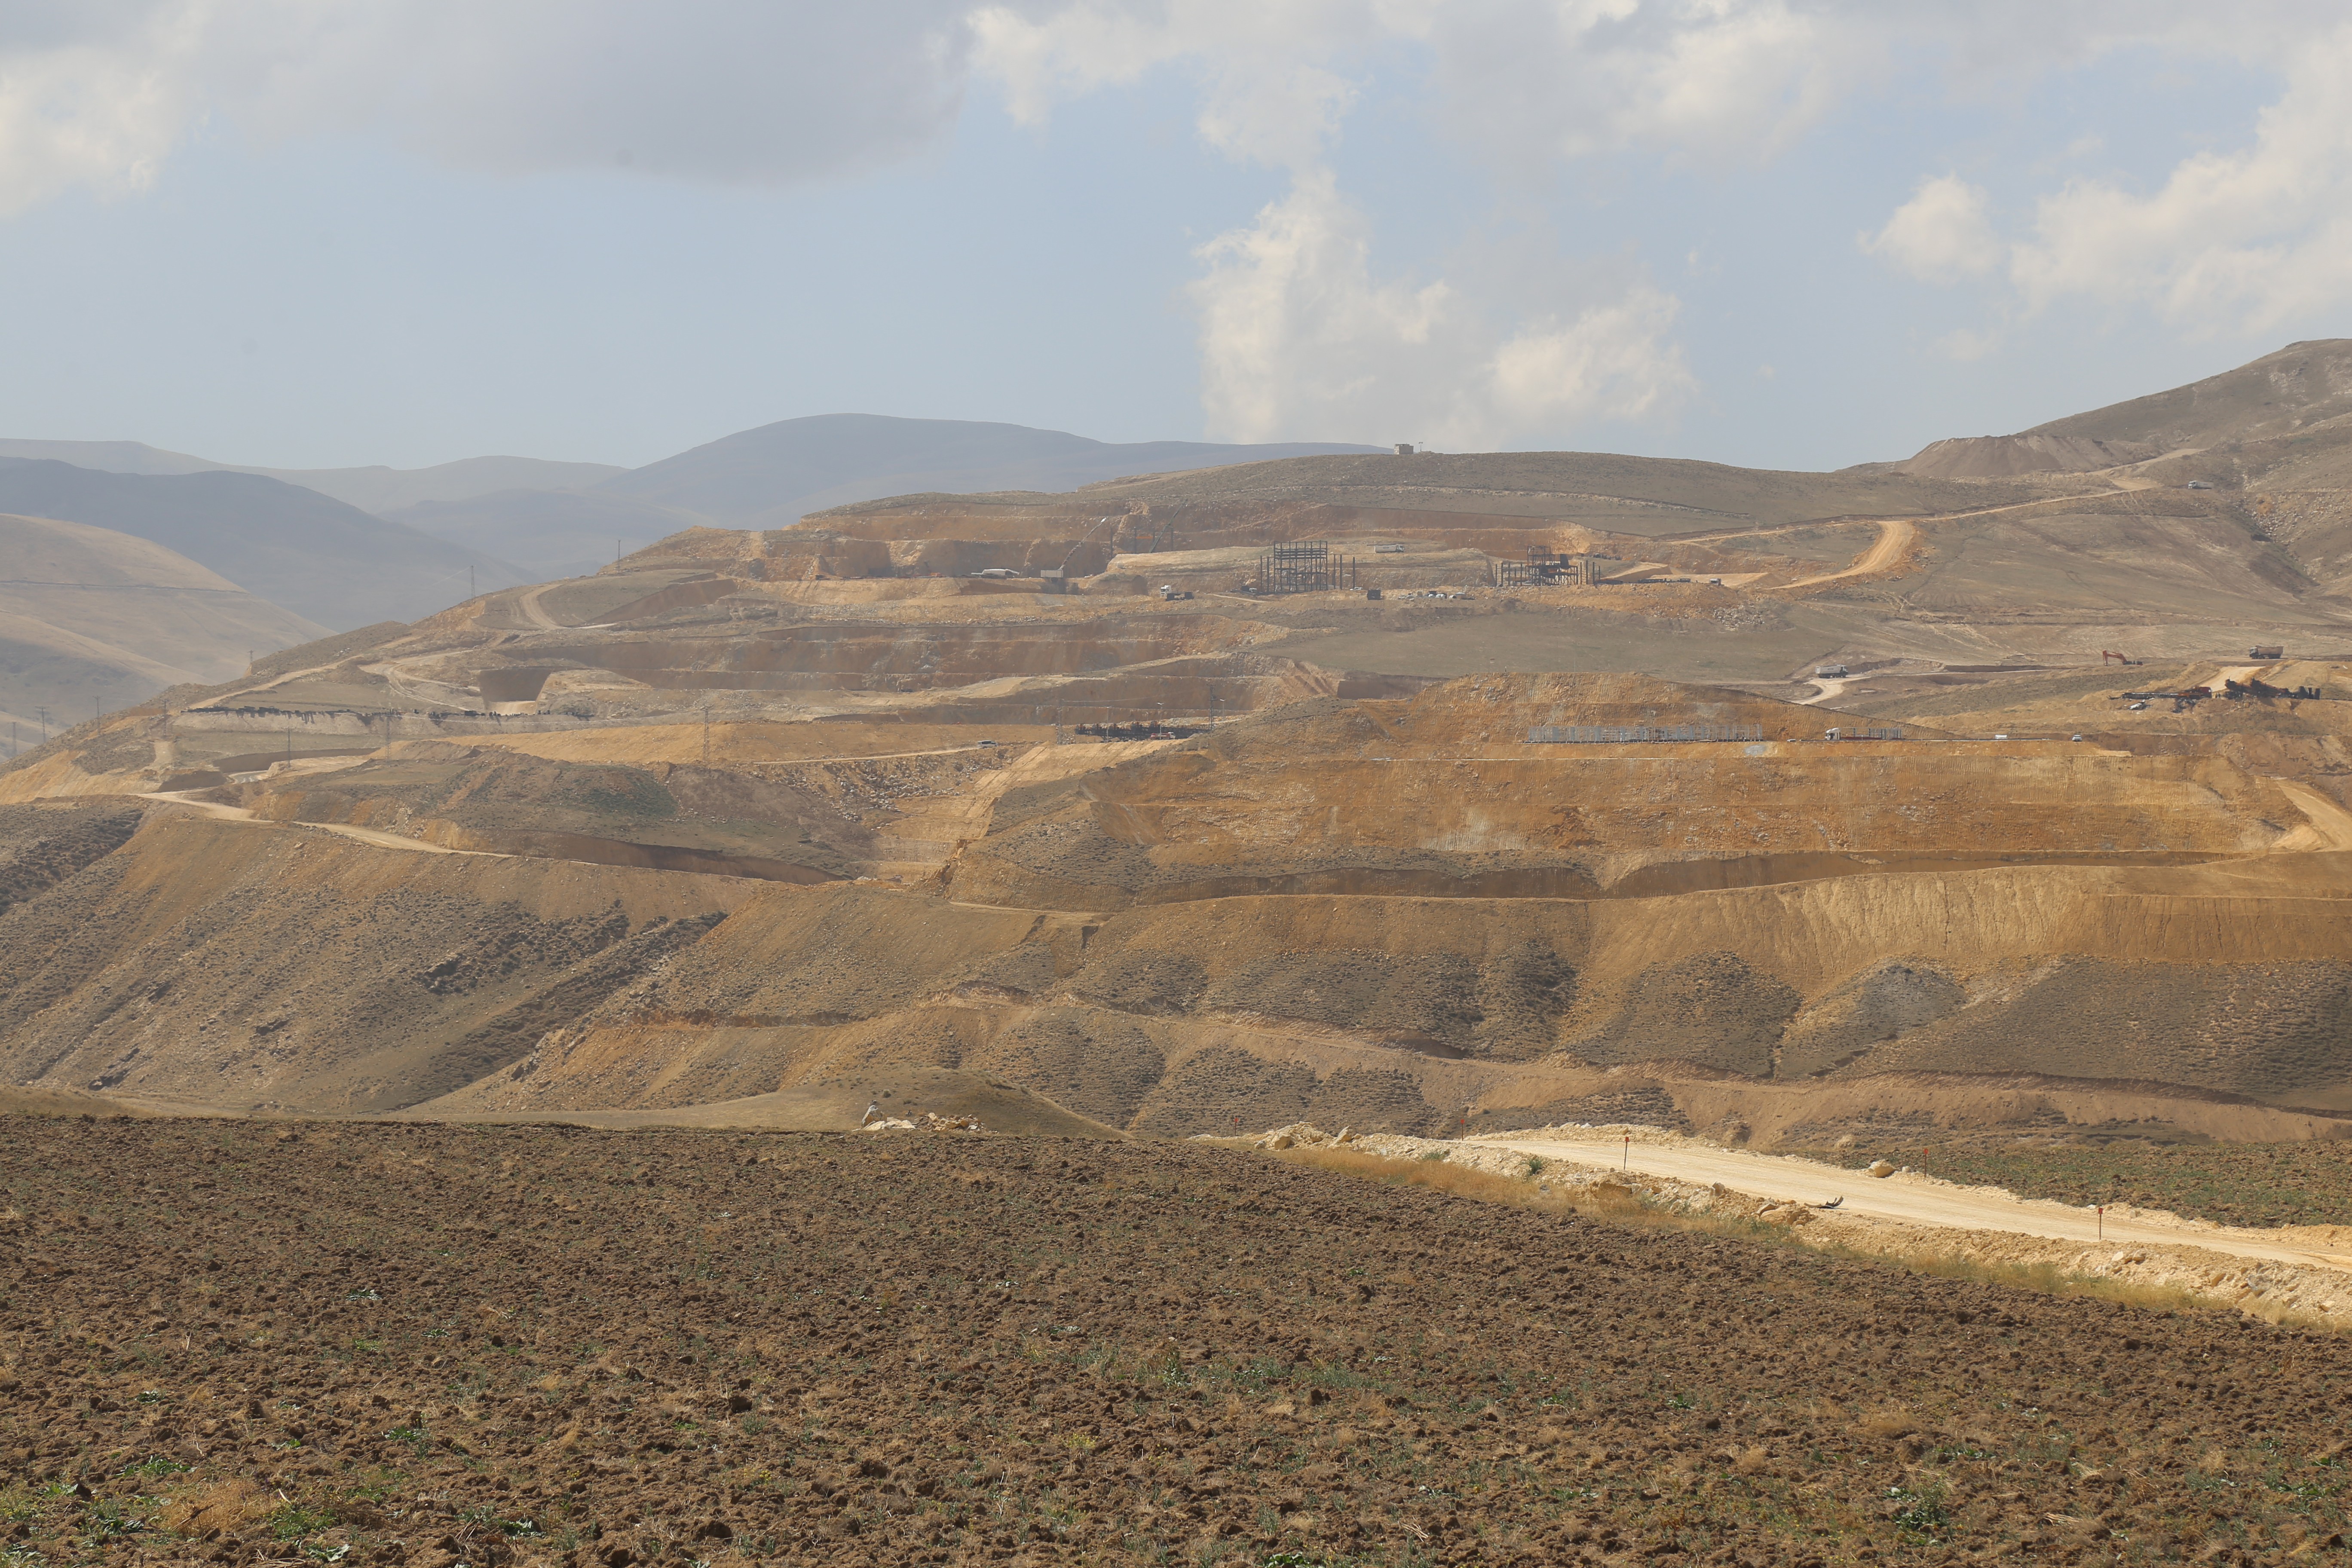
(554, 519)
(327, 562)
(375, 489)
(93, 619)
(558, 519)
(769, 476)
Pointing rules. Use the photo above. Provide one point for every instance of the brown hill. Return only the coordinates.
(89, 615)
(1776, 818)
(2006, 457)
(2302, 385)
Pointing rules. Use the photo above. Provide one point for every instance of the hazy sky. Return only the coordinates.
(1795, 233)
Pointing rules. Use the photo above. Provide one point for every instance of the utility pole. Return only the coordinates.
(43, 714)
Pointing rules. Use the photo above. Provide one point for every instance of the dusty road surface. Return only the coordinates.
(1895, 536)
(244, 818)
(1911, 1198)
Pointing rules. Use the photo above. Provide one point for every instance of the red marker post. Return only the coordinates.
(2103, 1222)
(1629, 1152)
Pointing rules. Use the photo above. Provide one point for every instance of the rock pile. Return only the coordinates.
(926, 1122)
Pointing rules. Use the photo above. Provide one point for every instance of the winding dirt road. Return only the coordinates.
(1895, 535)
(1910, 1198)
(243, 819)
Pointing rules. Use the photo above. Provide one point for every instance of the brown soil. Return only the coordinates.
(486, 1345)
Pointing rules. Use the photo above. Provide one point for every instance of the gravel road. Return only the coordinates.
(1920, 1200)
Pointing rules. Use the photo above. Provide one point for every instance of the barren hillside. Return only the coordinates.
(1392, 792)
(93, 619)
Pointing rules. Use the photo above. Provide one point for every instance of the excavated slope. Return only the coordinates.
(1381, 1011)
(754, 822)
(222, 965)
(2004, 457)
(1383, 911)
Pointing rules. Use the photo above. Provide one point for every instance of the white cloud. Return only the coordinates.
(1269, 89)
(1300, 335)
(1718, 80)
(1527, 83)
(2243, 240)
(1301, 339)
(1966, 344)
(1300, 331)
(1941, 235)
(97, 93)
(78, 110)
(96, 96)
(1613, 362)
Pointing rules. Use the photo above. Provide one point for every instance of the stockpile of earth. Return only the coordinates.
(419, 1344)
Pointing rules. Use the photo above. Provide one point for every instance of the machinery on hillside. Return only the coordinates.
(2181, 700)
(2254, 686)
(2119, 659)
(1144, 730)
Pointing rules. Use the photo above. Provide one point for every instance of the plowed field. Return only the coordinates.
(415, 1345)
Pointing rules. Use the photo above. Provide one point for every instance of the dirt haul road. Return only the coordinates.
(1895, 536)
(1914, 1199)
(244, 818)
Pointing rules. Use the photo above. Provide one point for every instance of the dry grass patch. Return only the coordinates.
(218, 1510)
(1437, 1174)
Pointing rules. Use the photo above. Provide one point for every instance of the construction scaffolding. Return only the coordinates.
(1307, 567)
(1547, 569)
(1638, 734)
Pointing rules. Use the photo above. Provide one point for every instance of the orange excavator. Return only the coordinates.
(2127, 663)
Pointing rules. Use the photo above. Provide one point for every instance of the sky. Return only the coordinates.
(1780, 233)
